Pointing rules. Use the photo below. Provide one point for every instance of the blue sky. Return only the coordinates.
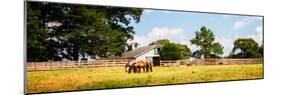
(180, 27)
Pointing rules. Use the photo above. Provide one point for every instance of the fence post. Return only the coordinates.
(103, 63)
(52, 65)
(35, 66)
(48, 64)
(114, 62)
(45, 66)
(60, 65)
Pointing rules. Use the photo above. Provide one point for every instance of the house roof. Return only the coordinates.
(138, 51)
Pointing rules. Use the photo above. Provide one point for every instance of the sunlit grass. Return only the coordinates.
(114, 77)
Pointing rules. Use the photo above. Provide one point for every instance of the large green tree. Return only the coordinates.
(56, 31)
(204, 39)
(185, 51)
(36, 34)
(169, 49)
(260, 50)
(246, 48)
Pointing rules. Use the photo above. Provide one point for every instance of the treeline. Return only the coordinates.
(204, 40)
(67, 31)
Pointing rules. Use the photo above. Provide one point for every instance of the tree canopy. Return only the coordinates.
(246, 48)
(57, 31)
(185, 51)
(160, 42)
(205, 40)
(172, 51)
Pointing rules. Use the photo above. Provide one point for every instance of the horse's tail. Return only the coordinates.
(126, 66)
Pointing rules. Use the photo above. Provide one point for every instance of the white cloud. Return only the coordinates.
(244, 22)
(191, 46)
(177, 35)
(142, 40)
(259, 29)
(227, 44)
(173, 34)
(164, 32)
(239, 24)
(258, 36)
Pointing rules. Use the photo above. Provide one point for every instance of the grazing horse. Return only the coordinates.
(145, 65)
(137, 65)
(130, 66)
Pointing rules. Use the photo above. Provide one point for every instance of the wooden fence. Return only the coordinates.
(55, 65)
(169, 62)
(110, 63)
(226, 61)
(210, 62)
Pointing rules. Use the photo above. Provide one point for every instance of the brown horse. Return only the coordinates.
(136, 66)
(130, 66)
(145, 65)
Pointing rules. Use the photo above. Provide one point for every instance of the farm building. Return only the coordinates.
(150, 53)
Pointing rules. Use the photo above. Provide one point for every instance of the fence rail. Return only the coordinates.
(169, 63)
(210, 62)
(226, 61)
(55, 65)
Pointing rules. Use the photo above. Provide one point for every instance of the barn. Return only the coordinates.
(150, 53)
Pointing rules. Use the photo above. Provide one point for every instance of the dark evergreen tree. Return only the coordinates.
(204, 39)
(56, 31)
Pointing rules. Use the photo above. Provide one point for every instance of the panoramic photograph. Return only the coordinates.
(76, 47)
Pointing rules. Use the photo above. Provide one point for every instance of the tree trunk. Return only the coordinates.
(75, 52)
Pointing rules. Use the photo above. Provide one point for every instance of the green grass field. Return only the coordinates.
(114, 77)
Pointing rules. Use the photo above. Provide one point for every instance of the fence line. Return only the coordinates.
(210, 62)
(55, 65)
(169, 62)
(226, 61)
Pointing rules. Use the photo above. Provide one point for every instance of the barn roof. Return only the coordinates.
(138, 51)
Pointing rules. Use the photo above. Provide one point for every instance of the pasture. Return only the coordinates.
(115, 77)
